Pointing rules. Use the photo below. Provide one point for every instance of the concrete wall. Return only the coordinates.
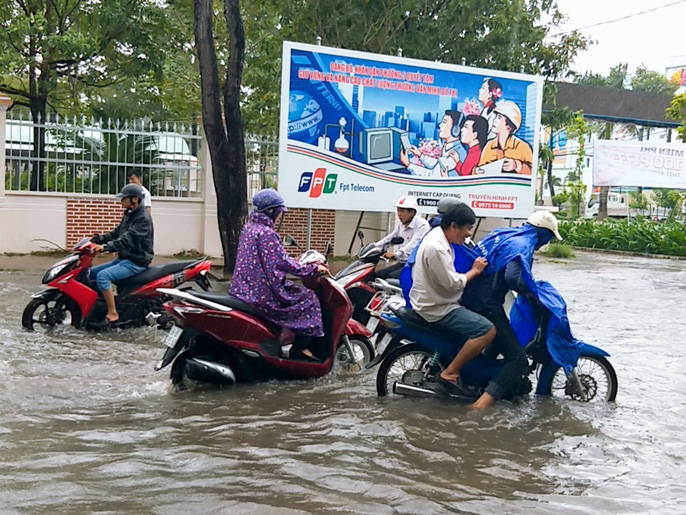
(25, 219)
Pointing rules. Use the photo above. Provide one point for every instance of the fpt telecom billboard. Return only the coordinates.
(360, 130)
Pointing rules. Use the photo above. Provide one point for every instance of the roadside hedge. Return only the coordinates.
(636, 235)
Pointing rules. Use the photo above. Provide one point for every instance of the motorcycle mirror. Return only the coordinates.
(397, 240)
(289, 241)
(329, 250)
(360, 235)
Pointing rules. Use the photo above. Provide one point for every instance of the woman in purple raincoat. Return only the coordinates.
(259, 277)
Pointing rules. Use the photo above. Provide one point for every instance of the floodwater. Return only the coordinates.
(86, 425)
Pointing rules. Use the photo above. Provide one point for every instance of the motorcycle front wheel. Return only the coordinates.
(596, 375)
(48, 313)
(363, 352)
(411, 364)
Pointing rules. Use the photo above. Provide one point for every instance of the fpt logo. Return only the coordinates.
(317, 183)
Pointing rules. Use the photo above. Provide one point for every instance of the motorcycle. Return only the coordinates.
(71, 299)
(221, 340)
(356, 278)
(418, 353)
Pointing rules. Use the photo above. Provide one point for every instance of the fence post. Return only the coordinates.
(5, 104)
(211, 241)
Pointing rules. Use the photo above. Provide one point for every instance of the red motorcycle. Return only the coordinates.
(71, 299)
(219, 339)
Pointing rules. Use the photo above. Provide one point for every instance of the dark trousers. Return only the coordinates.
(507, 344)
(390, 272)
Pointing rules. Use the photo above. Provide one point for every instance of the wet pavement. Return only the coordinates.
(86, 425)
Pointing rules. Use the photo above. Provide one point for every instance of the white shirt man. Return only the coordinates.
(411, 232)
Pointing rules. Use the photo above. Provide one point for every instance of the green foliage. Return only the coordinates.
(643, 236)
(558, 250)
(677, 111)
(637, 200)
(652, 82)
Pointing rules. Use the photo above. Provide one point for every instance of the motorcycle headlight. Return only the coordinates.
(52, 273)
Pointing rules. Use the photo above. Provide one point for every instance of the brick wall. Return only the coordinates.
(88, 216)
(323, 228)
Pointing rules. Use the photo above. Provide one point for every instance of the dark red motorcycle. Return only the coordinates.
(71, 299)
(219, 339)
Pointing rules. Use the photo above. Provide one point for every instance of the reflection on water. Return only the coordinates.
(87, 425)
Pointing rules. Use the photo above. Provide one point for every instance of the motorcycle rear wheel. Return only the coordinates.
(49, 313)
(407, 364)
(597, 377)
(363, 351)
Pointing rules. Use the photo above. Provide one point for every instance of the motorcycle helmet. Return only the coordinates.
(131, 190)
(407, 202)
(545, 220)
(446, 203)
(265, 200)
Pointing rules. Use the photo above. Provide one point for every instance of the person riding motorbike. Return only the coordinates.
(509, 252)
(259, 278)
(436, 290)
(132, 240)
(412, 229)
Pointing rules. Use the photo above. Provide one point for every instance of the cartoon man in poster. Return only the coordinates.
(507, 152)
(449, 133)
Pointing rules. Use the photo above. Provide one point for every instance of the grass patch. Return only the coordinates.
(185, 255)
(558, 250)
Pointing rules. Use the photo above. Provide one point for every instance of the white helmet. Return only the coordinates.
(407, 202)
(545, 220)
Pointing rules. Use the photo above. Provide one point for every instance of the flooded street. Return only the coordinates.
(86, 425)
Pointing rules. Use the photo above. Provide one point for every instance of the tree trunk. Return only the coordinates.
(235, 205)
(604, 190)
(226, 152)
(551, 186)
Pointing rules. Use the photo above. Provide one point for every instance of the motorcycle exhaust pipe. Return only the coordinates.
(412, 390)
(209, 372)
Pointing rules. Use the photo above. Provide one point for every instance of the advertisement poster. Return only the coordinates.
(639, 163)
(360, 130)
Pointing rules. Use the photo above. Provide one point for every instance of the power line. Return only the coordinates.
(617, 19)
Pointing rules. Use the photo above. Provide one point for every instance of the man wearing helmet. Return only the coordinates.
(509, 252)
(259, 277)
(411, 229)
(133, 242)
(515, 153)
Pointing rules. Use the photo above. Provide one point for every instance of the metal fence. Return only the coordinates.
(88, 156)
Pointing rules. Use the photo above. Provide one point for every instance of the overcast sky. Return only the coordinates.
(656, 39)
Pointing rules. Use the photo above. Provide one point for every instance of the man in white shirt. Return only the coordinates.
(411, 229)
(135, 178)
(436, 292)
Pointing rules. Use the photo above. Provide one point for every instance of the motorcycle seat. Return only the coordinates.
(227, 300)
(412, 319)
(155, 272)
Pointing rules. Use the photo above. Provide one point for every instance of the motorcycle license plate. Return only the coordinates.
(372, 323)
(384, 343)
(173, 336)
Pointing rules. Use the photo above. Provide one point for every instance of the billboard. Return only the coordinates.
(359, 130)
(639, 163)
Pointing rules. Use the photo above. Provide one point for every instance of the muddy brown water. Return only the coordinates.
(86, 425)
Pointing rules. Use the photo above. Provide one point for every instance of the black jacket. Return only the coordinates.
(133, 239)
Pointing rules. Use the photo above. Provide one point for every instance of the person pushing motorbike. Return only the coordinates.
(509, 252)
(133, 242)
(411, 229)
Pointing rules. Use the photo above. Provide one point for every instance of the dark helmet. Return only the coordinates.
(445, 203)
(131, 190)
(264, 200)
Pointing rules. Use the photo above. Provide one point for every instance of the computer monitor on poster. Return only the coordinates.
(376, 145)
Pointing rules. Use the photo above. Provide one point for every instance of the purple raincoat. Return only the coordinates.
(260, 279)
